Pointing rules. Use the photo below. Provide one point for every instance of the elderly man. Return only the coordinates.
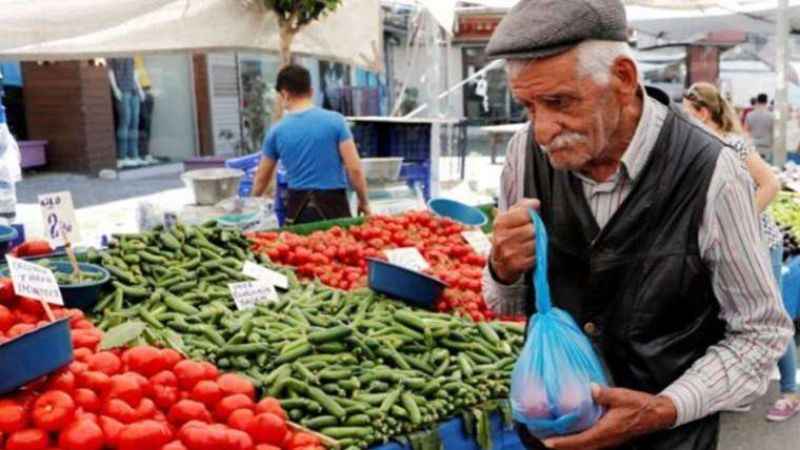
(654, 239)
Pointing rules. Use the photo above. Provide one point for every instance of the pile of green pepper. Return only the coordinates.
(354, 366)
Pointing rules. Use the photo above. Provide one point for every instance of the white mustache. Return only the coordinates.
(565, 140)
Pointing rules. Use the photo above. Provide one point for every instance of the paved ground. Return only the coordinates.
(750, 431)
(91, 191)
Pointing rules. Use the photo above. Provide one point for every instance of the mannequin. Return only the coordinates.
(128, 97)
(146, 114)
(10, 171)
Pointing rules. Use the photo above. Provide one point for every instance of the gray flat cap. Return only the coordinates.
(541, 28)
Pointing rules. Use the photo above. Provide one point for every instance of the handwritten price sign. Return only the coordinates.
(248, 294)
(34, 281)
(58, 215)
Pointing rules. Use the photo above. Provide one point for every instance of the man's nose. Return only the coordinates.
(546, 129)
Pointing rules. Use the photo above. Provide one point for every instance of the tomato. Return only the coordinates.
(187, 410)
(238, 440)
(174, 445)
(201, 436)
(82, 354)
(164, 396)
(125, 413)
(144, 435)
(145, 360)
(86, 338)
(303, 440)
(211, 371)
(189, 373)
(81, 435)
(164, 378)
(19, 329)
(126, 387)
(53, 410)
(207, 392)
(98, 382)
(170, 357)
(241, 419)
(6, 319)
(30, 439)
(230, 404)
(266, 447)
(87, 400)
(267, 428)
(105, 362)
(111, 428)
(63, 380)
(271, 405)
(231, 383)
(13, 416)
(7, 295)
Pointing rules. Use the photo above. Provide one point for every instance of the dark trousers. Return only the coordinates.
(145, 123)
(314, 206)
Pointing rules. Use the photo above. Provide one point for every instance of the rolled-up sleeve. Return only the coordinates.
(736, 370)
(506, 299)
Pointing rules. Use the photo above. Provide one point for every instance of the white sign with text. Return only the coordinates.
(408, 257)
(248, 294)
(58, 215)
(261, 273)
(34, 281)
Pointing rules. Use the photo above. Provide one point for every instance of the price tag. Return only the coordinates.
(34, 281)
(478, 241)
(408, 257)
(58, 215)
(248, 294)
(260, 273)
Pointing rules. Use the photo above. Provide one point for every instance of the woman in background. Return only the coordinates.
(704, 102)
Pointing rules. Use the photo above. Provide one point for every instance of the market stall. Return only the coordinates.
(336, 366)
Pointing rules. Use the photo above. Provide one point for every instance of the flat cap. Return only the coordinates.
(542, 28)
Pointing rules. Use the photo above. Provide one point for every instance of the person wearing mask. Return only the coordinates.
(703, 102)
(654, 243)
(760, 124)
(10, 170)
(316, 148)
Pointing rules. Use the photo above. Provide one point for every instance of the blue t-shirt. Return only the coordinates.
(307, 144)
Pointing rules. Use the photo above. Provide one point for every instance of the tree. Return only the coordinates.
(293, 15)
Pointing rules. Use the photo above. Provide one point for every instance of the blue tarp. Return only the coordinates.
(454, 437)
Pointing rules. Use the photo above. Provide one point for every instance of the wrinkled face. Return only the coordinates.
(574, 119)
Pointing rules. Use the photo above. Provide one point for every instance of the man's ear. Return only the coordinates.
(624, 78)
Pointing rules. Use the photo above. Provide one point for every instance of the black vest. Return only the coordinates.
(640, 283)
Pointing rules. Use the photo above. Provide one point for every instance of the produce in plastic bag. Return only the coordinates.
(551, 382)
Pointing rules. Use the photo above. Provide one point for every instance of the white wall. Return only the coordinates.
(173, 131)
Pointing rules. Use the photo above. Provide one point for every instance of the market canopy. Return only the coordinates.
(77, 29)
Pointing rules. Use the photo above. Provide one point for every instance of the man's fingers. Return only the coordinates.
(591, 439)
(528, 203)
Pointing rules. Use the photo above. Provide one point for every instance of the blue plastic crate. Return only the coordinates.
(417, 173)
(245, 187)
(244, 163)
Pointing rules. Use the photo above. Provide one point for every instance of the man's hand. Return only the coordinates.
(363, 209)
(514, 242)
(629, 414)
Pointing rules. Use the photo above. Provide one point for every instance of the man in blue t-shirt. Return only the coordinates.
(316, 149)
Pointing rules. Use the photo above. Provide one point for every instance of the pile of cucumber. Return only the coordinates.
(355, 366)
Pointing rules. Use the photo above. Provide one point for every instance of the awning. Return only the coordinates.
(79, 29)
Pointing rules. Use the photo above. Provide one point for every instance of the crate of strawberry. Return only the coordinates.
(337, 256)
(139, 398)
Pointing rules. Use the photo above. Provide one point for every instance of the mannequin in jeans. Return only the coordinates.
(128, 97)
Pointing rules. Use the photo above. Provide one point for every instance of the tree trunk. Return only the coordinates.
(287, 34)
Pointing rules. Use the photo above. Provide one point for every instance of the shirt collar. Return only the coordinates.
(638, 151)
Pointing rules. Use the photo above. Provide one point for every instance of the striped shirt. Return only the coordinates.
(735, 370)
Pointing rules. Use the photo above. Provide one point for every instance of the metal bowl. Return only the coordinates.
(210, 186)
(382, 169)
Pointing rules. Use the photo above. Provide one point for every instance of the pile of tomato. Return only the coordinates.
(337, 257)
(140, 398)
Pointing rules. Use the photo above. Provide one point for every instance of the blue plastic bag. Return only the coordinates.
(551, 382)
